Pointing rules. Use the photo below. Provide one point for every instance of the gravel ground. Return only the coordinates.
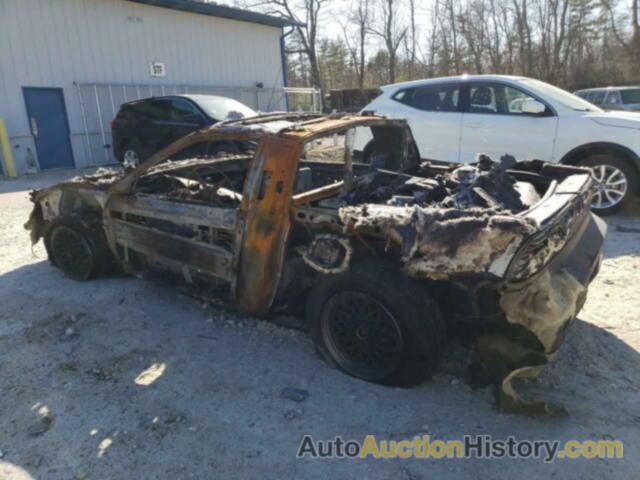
(121, 378)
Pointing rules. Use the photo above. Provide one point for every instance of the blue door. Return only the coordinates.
(47, 117)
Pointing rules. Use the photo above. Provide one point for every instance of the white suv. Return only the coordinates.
(453, 119)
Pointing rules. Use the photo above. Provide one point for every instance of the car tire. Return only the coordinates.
(78, 249)
(132, 153)
(375, 323)
(608, 172)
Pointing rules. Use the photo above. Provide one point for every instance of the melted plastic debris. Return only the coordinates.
(435, 242)
(102, 177)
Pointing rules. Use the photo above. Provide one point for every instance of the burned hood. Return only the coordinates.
(438, 242)
(100, 180)
(462, 220)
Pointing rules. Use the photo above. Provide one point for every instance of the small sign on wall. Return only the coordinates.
(158, 69)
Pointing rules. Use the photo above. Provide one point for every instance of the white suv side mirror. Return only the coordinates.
(533, 107)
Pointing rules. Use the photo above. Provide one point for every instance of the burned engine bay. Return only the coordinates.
(459, 228)
(483, 185)
(438, 220)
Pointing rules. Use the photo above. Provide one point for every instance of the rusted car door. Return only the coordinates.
(265, 219)
(242, 248)
(195, 241)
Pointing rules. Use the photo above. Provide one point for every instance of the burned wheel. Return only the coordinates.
(361, 335)
(72, 253)
(375, 323)
(76, 244)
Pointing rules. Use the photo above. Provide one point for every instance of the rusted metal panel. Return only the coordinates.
(152, 206)
(265, 212)
(168, 249)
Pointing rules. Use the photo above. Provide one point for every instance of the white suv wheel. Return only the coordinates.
(611, 186)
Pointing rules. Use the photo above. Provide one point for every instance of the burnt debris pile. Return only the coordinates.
(484, 184)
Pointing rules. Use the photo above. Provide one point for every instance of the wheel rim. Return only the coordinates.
(131, 157)
(72, 253)
(611, 186)
(361, 335)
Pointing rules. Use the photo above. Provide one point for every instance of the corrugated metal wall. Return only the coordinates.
(61, 43)
(100, 102)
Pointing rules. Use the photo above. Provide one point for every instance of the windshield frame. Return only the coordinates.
(559, 96)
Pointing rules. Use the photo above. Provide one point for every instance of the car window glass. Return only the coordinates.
(630, 96)
(154, 109)
(513, 98)
(597, 98)
(183, 111)
(496, 99)
(613, 98)
(482, 99)
(401, 95)
(432, 98)
(222, 108)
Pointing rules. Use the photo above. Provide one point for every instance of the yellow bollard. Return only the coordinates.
(7, 156)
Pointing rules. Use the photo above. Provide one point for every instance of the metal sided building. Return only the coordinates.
(67, 65)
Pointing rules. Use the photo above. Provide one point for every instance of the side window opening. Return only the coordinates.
(336, 157)
(214, 180)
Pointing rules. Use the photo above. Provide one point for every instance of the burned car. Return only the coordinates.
(384, 257)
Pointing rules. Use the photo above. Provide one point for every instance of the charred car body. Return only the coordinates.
(386, 259)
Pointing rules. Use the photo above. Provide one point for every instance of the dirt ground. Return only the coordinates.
(121, 378)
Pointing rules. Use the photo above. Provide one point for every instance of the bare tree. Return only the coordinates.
(387, 27)
(359, 17)
(631, 45)
(306, 27)
(431, 44)
(411, 40)
(573, 43)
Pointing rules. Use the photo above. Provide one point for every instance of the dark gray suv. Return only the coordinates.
(143, 127)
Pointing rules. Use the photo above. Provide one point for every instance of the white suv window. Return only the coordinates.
(431, 98)
(496, 98)
(630, 96)
(613, 98)
(597, 97)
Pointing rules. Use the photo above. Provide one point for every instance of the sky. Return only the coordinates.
(336, 14)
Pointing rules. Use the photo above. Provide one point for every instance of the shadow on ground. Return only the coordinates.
(140, 382)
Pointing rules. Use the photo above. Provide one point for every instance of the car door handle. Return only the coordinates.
(34, 127)
(475, 124)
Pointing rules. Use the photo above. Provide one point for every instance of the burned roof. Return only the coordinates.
(302, 125)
